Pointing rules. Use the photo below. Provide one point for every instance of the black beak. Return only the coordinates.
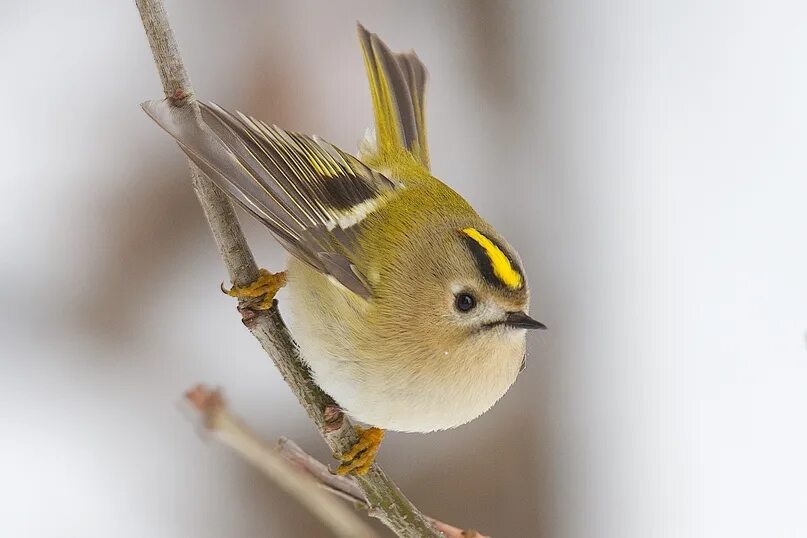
(520, 320)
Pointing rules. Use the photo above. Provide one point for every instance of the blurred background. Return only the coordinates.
(647, 159)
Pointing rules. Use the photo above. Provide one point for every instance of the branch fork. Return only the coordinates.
(228, 429)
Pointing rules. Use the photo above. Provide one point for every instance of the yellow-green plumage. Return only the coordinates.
(398, 361)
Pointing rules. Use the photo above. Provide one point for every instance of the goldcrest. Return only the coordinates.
(409, 308)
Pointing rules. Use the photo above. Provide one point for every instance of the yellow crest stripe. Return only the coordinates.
(502, 267)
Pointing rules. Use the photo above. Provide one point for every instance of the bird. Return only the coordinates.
(409, 308)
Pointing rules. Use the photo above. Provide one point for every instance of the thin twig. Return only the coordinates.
(343, 486)
(346, 487)
(388, 503)
(232, 432)
(287, 461)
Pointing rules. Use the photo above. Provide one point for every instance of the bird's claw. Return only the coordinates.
(263, 289)
(361, 455)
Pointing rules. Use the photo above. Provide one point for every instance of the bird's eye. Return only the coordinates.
(464, 302)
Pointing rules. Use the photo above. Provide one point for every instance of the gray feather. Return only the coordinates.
(307, 192)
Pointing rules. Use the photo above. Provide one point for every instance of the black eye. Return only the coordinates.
(464, 302)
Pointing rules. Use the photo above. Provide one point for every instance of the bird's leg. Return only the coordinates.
(263, 289)
(361, 456)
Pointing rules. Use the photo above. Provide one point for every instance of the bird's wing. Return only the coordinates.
(308, 192)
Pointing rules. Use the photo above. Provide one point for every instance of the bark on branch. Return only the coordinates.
(387, 502)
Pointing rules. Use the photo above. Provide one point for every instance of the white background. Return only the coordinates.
(648, 159)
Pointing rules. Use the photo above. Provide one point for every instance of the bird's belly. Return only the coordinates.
(382, 399)
(415, 409)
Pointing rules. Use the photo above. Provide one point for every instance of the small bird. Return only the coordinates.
(409, 308)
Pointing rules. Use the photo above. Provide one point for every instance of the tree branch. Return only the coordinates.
(296, 464)
(387, 502)
(228, 429)
(346, 487)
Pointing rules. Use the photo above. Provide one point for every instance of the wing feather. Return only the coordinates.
(307, 192)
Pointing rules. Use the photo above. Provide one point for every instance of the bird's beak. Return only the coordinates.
(521, 320)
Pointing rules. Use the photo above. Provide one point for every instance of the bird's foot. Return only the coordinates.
(361, 456)
(263, 289)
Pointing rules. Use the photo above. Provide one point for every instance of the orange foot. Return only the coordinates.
(265, 288)
(361, 456)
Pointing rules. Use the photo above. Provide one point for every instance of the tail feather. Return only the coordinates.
(398, 88)
(415, 73)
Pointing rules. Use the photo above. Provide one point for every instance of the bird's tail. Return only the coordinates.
(398, 88)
